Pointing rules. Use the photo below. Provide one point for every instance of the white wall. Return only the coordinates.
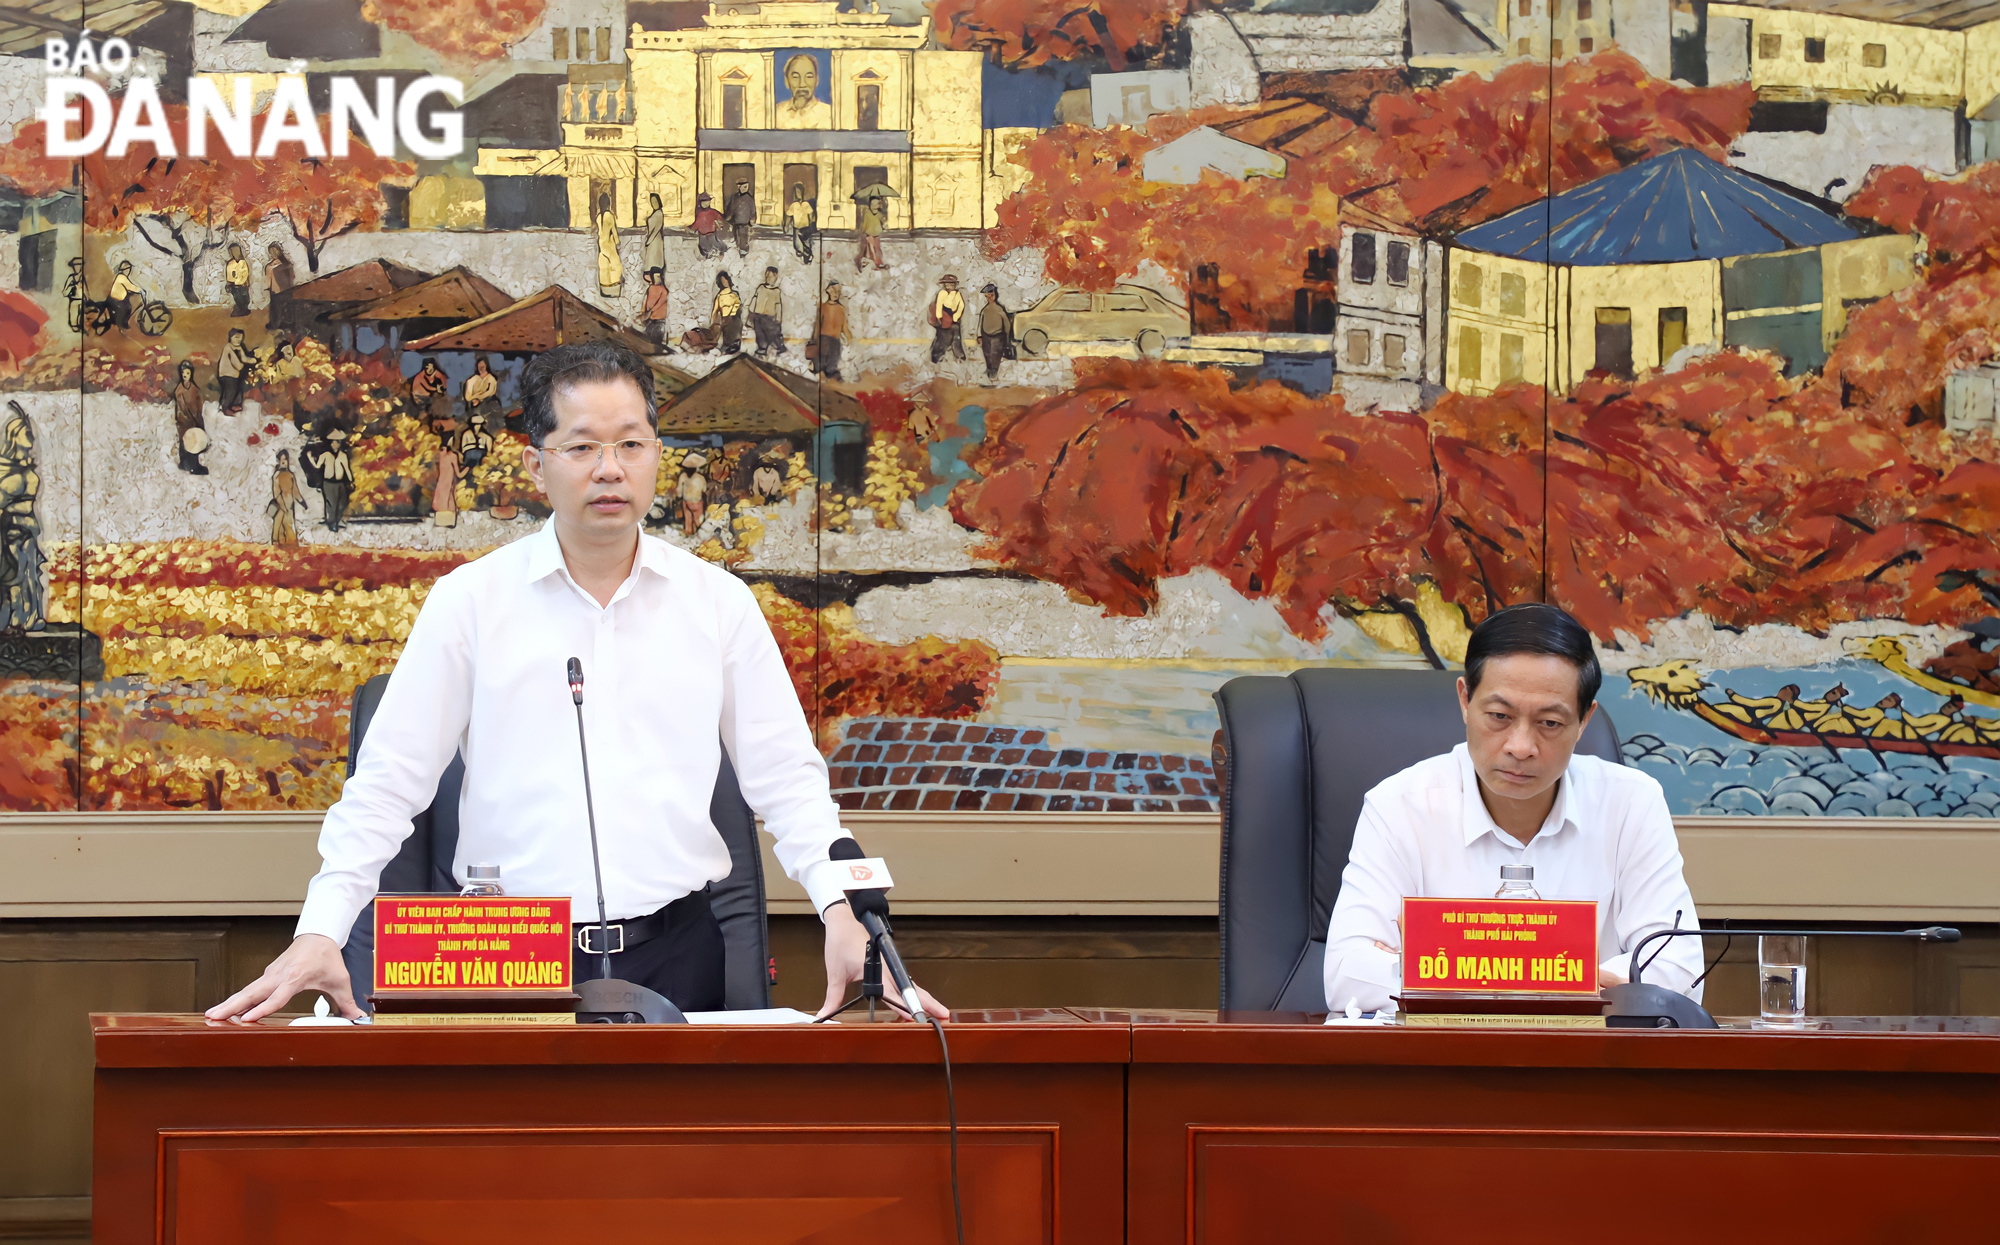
(1221, 69)
(1858, 137)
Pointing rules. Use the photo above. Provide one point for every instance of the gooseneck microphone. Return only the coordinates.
(590, 810)
(871, 908)
(606, 999)
(1929, 933)
(1641, 1005)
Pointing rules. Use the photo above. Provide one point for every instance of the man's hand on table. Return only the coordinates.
(312, 962)
(846, 951)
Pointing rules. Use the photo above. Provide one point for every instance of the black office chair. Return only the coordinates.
(1296, 755)
(423, 866)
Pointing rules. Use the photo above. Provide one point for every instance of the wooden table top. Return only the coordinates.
(1025, 1035)
(1061, 1035)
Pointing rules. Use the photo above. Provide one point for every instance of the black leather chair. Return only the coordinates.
(1296, 754)
(423, 866)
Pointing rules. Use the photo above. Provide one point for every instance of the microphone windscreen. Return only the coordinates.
(575, 672)
(874, 899)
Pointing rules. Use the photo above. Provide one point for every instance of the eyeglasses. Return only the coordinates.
(629, 453)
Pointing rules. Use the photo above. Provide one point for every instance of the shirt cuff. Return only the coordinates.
(1620, 964)
(322, 914)
(823, 885)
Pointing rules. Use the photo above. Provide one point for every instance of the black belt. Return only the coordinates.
(636, 930)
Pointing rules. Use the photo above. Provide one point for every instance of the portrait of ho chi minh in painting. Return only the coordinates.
(800, 110)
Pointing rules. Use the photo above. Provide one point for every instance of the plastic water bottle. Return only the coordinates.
(481, 880)
(1517, 882)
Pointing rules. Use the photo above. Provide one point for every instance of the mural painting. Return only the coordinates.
(1041, 367)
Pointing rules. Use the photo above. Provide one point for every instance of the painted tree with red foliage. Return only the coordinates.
(321, 198)
(1729, 489)
(22, 325)
(1021, 34)
(468, 30)
(185, 207)
(1437, 159)
(182, 207)
(1145, 471)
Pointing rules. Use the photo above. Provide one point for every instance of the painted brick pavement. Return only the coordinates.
(934, 765)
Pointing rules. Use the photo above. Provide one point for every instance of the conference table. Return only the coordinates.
(1075, 1125)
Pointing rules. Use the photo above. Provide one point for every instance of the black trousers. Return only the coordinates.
(947, 337)
(770, 334)
(685, 963)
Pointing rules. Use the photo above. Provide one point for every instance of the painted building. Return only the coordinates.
(1477, 36)
(1871, 51)
(1859, 272)
(1389, 290)
(1827, 147)
(1448, 38)
(1554, 29)
(795, 98)
(1221, 67)
(576, 32)
(1292, 36)
(1129, 98)
(1971, 399)
(1620, 275)
(1183, 160)
(1497, 327)
(1845, 86)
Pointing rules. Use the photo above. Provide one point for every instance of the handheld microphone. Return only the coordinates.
(871, 908)
(607, 1000)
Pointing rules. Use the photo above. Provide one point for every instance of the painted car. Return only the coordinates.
(1125, 313)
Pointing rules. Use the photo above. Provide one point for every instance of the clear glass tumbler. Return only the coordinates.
(1781, 979)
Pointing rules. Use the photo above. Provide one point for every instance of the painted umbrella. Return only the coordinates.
(874, 190)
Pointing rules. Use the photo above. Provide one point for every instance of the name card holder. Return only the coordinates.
(486, 959)
(1500, 963)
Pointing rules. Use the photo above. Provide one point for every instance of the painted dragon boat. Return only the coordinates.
(1791, 719)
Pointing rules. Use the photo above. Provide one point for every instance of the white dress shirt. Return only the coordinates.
(680, 661)
(1426, 832)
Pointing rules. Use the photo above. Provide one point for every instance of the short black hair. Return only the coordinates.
(1541, 630)
(582, 363)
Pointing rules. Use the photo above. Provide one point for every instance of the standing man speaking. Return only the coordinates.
(680, 662)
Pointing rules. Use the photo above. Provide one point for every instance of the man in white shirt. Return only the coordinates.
(1515, 793)
(678, 661)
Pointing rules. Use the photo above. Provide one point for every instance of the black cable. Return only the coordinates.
(1729, 937)
(1663, 945)
(950, 1100)
(951, 1106)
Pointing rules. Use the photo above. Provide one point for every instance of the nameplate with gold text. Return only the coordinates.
(482, 945)
(1500, 946)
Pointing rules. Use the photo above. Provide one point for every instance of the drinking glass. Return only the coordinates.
(1781, 979)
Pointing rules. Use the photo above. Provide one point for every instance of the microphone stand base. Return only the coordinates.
(1647, 1006)
(609, 1001)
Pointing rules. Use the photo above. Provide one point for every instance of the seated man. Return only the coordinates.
(1514, 794)
(680, 663)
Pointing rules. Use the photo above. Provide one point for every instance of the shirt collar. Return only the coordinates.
(545, 556)
(1477, 821)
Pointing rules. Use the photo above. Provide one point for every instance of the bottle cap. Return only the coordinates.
(491, 873)
(1508, 873)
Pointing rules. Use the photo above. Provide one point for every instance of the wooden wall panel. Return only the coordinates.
(1503, 1186)
(52, 976)
(526, 1186)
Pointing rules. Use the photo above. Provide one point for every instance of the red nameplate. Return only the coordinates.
(1500, 946)
(481, 945)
